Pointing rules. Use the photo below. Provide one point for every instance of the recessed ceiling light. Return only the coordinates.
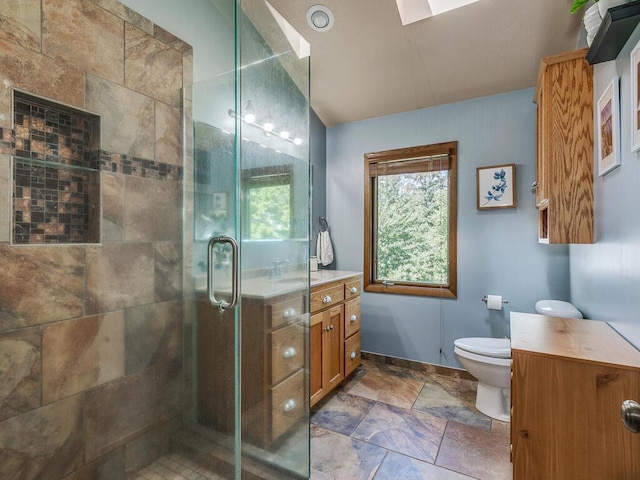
(320, 18)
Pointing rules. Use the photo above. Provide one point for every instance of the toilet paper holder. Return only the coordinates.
(484, 299)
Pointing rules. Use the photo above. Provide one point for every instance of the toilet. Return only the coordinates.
(489, 360)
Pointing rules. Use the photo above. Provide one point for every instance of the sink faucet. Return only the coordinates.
(277, 269)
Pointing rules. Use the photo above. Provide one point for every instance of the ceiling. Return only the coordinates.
(369, 65)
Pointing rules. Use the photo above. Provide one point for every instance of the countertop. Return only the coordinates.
(262, 287)
(583, 340)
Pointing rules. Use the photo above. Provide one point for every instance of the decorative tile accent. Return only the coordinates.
(127, 118)
(44, 443)
(20, 22)
(153, 335)
(152, 67)
(139, 167)
(80, 354)
(119, 275)
(20, 372)
(475, 452)
(343, 457)
(40, 285)
(409, 432)
(82, 34)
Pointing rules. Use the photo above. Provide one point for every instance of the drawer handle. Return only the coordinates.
(327, 299)
(289, 352)
(354, 355)
(289, 312)
(353, 290)
(328, 328)
(354, 318)
(289, 405)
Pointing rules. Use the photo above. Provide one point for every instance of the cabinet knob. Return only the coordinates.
(534, 185)
(327, 299)
(354, 318)
(289, 405)
(353, 290)
(328, 328)
(354, 355)
(289, 352)
(630, 413)
(289, 312)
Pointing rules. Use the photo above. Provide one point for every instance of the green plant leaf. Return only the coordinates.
(577, 4)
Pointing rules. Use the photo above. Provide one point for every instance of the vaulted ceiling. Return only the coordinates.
(369, 65)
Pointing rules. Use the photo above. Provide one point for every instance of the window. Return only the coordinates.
(268, 199)
(410, 221)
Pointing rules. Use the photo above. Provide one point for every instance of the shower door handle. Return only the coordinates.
(222, 304)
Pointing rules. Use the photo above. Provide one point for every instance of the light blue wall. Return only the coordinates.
(318, 154)
(498, 251)
(605, 276)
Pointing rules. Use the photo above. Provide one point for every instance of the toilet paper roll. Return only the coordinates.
(494, 302)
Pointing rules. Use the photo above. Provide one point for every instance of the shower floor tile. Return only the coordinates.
(175, 467)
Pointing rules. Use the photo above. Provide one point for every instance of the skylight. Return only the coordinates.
(414, 10)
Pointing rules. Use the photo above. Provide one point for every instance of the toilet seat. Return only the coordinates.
(488, 347)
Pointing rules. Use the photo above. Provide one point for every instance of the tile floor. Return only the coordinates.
(390, 423)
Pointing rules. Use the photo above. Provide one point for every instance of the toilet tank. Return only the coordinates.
(557, 308)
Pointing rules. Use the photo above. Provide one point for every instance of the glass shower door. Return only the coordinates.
(246, 395)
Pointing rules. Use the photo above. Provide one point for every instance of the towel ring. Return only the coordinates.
(321, 221)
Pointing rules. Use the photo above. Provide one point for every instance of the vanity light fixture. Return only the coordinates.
(320, 18)
(267, 127)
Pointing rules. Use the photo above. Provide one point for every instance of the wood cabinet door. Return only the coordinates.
(315, 358)
(333, 345)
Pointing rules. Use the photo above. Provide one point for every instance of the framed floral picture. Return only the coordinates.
(496, 186)
(635, 97)
(608, 128)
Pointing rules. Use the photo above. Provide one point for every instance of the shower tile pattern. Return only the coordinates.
(90, 384)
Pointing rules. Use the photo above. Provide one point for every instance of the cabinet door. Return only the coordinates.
(333, 345)
(315, 361)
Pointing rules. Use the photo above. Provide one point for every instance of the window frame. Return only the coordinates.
(371, 163)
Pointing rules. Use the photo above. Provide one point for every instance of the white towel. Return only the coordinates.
(324, 248)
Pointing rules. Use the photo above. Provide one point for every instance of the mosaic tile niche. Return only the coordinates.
(56, 173)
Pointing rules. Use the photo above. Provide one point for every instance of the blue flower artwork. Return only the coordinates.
(497, 190)
(496, 186)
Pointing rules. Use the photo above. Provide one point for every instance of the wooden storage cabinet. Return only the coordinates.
(334, 334)
(564, 167)
(273, 352)
(569, 378)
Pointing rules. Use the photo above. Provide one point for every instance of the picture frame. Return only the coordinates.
(496, 187)
(635, 97)
(608, 127)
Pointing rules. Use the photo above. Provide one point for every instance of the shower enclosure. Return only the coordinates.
(246, 250)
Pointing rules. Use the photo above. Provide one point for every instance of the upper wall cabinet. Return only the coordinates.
(564, 169)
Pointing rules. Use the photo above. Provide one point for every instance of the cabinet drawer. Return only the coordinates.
(351, 353)
(326, 297)
(351, 289)
(287, 403)
(287, 312)
(287, 351)
(351, 317)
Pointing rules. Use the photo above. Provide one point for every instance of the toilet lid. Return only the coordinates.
(490, 347)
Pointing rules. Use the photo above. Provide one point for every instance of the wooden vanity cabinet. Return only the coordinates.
(569, 378)
(564, 167)
(273, 351)
(334, 334)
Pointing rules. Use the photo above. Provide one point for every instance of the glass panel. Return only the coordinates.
(412, 209)
(273, 112)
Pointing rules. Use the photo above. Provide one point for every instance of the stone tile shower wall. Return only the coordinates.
(90, 334)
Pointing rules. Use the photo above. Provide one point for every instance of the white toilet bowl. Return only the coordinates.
(488, 360)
